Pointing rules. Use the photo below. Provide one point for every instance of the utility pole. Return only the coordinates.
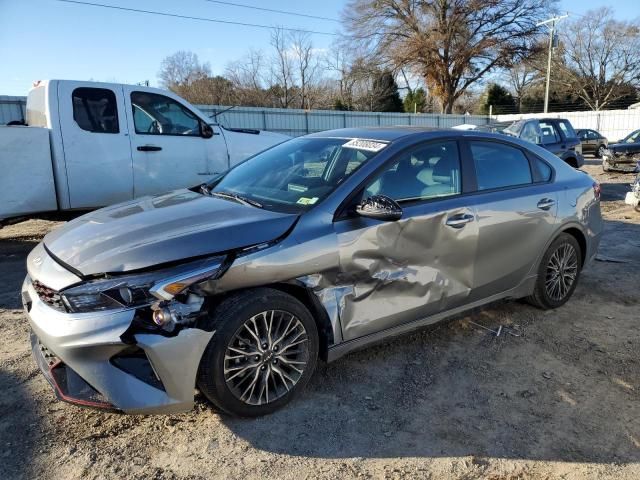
(552, 33)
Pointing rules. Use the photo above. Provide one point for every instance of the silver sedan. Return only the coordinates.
(316, 247)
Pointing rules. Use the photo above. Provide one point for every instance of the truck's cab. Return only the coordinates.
(114, 142)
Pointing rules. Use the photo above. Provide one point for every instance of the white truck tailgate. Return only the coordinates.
(26, 174)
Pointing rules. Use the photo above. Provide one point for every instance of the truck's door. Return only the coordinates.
(97, 153)
(168, 144)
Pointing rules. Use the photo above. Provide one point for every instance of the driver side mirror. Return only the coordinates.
(207, 131)
(380, 207)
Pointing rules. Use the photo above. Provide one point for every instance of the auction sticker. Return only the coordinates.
(307, 200)
(369, 145)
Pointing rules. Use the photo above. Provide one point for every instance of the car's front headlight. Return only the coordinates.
(140, 289)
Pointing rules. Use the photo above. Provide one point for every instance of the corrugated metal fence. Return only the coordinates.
(296, 122)
(613, 124)
(290, 121)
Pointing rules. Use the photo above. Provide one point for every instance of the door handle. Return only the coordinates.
(149, 148)
(459, 221)
(546, 203)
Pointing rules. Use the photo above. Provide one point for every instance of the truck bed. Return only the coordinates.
(26, 173)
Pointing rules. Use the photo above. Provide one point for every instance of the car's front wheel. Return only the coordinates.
(600, 151)
(263, 352)
(558, 273)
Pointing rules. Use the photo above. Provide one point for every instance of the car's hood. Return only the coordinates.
(165, 228)
(624, 147)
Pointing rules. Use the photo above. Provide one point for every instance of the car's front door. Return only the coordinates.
(169, 150)
(394, 272)
(516, 206)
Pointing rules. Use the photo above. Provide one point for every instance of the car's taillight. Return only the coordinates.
(597, 190)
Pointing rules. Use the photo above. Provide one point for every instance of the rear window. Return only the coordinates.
(95, 110)
(499, 166)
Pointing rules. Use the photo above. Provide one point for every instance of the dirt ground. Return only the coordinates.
(451, 401)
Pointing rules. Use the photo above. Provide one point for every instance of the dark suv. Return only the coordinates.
(554, 134)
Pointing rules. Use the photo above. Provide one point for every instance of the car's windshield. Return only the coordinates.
(295, 175)
(514, 128)
(633, 137)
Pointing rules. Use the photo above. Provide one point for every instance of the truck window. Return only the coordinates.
(155, 114)
(95, 110)
(567, 129)
(549, 133)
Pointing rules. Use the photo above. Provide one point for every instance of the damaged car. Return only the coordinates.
(309, 250)
(623, 155)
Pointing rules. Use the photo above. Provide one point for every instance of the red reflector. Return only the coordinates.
(597, 190)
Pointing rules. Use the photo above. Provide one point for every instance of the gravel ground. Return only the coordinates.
(451, 401)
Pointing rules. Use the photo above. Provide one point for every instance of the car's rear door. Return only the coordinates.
(516, 204)
(399, 271)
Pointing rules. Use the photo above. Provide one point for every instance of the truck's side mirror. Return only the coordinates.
(207, 131)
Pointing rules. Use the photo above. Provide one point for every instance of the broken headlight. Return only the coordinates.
(137, 290)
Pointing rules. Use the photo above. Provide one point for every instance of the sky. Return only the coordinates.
(44, 39)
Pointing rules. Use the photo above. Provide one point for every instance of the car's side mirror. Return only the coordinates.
(380, 207)
(207, 131)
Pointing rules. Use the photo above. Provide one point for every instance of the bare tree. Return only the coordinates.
(247, 75)
(601, 58)
(451, 43)
(182, 68)
(281, 68)
(306, 65)
(521, 76)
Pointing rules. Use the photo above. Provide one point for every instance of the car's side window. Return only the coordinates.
(95, 110)
(155, 114)
(593, 135)
(498, 165)
(542, 171)
(549, 133)
(424, 172)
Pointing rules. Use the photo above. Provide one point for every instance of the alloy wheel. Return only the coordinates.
(266, 357)
(562, 271)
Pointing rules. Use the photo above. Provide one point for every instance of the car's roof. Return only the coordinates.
(389, 134)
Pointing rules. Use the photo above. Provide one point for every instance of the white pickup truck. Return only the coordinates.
(88, 144)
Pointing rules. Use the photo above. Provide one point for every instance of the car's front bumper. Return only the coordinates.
(626, 163)
(86, 361)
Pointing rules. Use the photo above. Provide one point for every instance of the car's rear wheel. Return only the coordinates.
(558, 273)
(263, 352)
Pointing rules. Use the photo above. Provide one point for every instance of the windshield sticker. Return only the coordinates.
(292, 187)
(369, 145)
(307, 200)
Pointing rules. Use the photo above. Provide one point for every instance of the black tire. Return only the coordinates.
(599, 150)
(228, 320)
(541, 297)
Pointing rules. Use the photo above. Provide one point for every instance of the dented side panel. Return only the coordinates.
(395, 272)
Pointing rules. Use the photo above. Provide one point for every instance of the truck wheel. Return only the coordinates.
(262, 354)
(558, 273)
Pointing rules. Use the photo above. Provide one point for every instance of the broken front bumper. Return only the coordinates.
(85, 360)
(621, 163)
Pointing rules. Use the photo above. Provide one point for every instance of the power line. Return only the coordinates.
(273, 10)
(188, 17)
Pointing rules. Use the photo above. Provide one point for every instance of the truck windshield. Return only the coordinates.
(295, 175)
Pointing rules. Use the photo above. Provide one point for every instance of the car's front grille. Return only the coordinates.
(49, 296)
